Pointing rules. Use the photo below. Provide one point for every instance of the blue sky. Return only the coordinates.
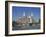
(18, 12)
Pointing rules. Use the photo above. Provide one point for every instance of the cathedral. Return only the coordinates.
(25, 19)
(26, 22)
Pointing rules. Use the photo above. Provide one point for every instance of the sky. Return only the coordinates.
(18, 11)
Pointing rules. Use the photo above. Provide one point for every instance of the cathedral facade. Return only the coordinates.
(25, 19)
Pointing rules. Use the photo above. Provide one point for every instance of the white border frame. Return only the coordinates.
(24, 5)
